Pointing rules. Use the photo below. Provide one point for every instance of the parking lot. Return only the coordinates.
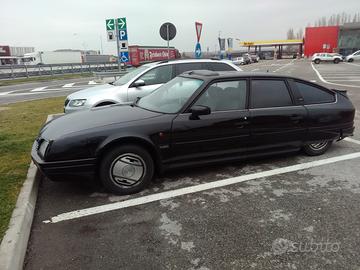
(284, 212)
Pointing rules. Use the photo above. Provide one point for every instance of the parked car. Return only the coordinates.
(254, 58)
(353, 57)
(139, 83)
(238, 61)
(327, 57)
(247, 58)
(199, 117)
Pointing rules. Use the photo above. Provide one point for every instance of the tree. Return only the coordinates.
(290, 34)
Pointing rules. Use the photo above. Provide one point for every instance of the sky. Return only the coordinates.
(80, 24)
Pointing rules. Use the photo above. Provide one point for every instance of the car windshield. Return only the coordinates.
(129, 76)
(170, 97)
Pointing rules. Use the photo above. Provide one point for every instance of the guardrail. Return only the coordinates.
(102, 75)
(21, 71)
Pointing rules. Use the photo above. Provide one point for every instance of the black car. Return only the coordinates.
(200, 117)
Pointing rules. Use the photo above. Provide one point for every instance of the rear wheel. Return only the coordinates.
(315, 149)
(336, 61)
(126, 169)
(351, 60)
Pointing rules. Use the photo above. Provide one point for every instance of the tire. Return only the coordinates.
(316, 149)
(317, 61)
(130, 160)
(351, 60)
(336, 61)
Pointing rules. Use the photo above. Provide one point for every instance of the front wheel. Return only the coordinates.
(317, 61)
(127, 169)
(316, 149)
(351, 60)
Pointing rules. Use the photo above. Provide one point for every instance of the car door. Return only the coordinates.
(222, 133)
(277, 122)
(153, 79)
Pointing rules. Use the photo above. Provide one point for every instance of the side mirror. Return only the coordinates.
(138, 83)
(199, 110)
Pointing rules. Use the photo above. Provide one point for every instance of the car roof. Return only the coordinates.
(177, 61)
(210, 75)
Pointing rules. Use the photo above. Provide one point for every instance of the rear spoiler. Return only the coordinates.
(341, 92)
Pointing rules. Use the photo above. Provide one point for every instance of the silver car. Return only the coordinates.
(139, 82)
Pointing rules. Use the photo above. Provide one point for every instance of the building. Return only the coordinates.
(344, 39)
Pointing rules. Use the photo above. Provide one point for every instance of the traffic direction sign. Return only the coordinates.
(121, 23)
(110, 24)
(198, 50)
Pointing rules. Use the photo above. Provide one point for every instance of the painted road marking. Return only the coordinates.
(288, 64)
(92, 82)
(325, 81)
(39, 89)
(255, 69)
(68, 85)
(6, 93)
(194, 189)
(312, 80)
(351, 140)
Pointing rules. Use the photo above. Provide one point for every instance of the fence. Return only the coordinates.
(21, 71)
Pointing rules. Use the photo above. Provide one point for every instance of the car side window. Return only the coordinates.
(269, 93)
(181, 68)
(158, 75)
(220, 67)
(224, 96)
(314, 95)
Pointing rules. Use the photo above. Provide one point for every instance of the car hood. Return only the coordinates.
(99, 90)
(94, 118)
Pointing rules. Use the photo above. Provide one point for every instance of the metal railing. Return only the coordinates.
(26, 71)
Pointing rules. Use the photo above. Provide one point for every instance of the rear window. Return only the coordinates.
(181, 68)
(313, 94)
(269, 93)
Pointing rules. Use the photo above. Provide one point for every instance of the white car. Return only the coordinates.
(140, 82)
(327, 57)
(239, 61)
(353, 57)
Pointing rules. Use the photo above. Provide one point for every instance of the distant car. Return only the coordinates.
(254, 58)
(327, 57)
(239, 61)
(140, 82)
(198, 118)
(353, 57)
(247, 58)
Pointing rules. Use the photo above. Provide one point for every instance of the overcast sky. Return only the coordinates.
(79, 24)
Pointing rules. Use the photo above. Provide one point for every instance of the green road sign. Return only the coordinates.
(121, 23)
(110, 24)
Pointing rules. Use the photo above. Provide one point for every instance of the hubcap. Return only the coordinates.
(127, 170)
(318, 146)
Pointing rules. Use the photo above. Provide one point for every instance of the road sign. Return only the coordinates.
(121, 23)
(123, 45)
(198, 27)
(110, 24)
(168, 31)
(198, 50)
(111, 36)
(123, 34)
(124, 57)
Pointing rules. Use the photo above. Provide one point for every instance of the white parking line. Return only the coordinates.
(351, 140)
(255, 69)
(39, 89)
(92, 82)
(6, 93)
(325, 81)
(288, 64)
(68, 85)
(194, 189)
(352, 64)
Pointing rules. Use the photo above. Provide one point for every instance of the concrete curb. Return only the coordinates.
(14, 244)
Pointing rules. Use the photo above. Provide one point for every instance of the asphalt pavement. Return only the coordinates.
(282, 212)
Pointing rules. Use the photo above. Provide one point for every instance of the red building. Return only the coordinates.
(321, 39)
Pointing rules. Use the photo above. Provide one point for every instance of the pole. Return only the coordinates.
(101, 45)
(167, 38)
(117, 44)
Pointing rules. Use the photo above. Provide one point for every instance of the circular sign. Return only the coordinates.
(168, 31)
(198, 50)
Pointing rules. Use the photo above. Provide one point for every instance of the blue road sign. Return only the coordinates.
(198, 50)
(124, 57)
(123, 34)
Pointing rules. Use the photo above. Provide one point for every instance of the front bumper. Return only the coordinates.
(64, 170)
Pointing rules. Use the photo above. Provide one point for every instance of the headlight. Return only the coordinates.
(43, 147)
(77, 102)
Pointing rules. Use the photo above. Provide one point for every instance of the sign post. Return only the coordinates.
(117, 30)
(198, 27)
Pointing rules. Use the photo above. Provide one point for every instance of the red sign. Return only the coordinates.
(198, 27)
(139, 55)
(4, 50)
